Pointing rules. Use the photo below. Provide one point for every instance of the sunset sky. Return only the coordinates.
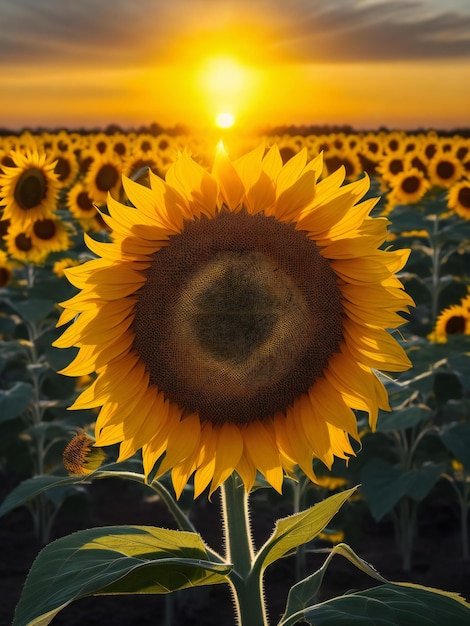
(367, 63)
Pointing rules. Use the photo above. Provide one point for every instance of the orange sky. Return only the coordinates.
(356, 63)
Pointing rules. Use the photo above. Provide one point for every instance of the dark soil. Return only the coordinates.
(437, 560)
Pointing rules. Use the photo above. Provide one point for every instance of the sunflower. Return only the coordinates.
(391, 164)
(349, 159)
(372, 147)
(409, 186)
(50, 234)
(28, 190)
(80, 203)
(458, 198)
(104, 176)
(120, 145)
(454, 320)
(21, 246)
(236, 319)
(139, 162)
(67, 166)
(444, 169)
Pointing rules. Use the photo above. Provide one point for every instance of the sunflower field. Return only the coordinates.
(344, 384)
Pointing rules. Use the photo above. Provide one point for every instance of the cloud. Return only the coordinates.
(385, 31)
(129, 32)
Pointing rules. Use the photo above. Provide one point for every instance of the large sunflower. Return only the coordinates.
(237, 319)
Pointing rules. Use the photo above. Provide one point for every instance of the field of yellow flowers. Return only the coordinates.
(54, 190)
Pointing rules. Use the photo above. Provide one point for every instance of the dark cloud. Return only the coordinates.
(389, 31)
(110, 32)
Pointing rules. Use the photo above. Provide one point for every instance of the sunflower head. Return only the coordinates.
(459, 198)
(236, 319)
(28, 189)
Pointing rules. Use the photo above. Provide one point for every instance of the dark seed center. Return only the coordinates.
(45, 229)
(84, 201)
(238, 316)
(455, 325)
(411, 184)
(31, 188)
(464, 197)
(445, 169)
(106, 177)
(23, 242)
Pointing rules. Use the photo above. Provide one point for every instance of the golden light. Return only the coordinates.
(223, 76)
(225, 120)
(226, 88)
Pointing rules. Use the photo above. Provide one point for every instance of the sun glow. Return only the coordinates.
(225, 120)
(226, 88)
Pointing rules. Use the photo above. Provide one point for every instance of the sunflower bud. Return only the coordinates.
(80, 457)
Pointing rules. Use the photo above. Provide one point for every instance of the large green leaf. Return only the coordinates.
(456, 437)
(291, 532)
(404, 418)
(392, 604)
(384, 485)
(15, 400)
(117, 559)
(460, 365)
(34, 309)
(304, 593)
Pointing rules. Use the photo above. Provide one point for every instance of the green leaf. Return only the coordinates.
(402, 419)
(32, 487)
(15, 400)
(404, 220)
(460, 365)
(304, 592)
(456, 437)
(117, 559)
(291, 532)
(392, 604)
(384, 485)
(34, 310)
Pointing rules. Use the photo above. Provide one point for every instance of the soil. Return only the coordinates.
(437, 558)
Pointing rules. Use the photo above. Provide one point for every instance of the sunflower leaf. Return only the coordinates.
(32, 487)
(384, 485)
(404, 418)
(119, 559)
(456, 438)
(392, 604)
(15, 400)
(34, 309)
(291, 532)
(304, 593)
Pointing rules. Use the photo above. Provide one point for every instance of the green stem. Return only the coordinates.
(464, 505)
(246, 583)
(436, 251)
(300, 554)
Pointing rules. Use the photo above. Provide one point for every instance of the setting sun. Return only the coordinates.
(226, 88)
(225, 120)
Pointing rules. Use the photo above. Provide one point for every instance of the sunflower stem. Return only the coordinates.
(246, 582)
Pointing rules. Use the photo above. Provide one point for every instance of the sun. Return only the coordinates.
(226, 87)
(225, 120)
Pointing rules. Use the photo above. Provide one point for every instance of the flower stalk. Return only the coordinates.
(246, 581)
